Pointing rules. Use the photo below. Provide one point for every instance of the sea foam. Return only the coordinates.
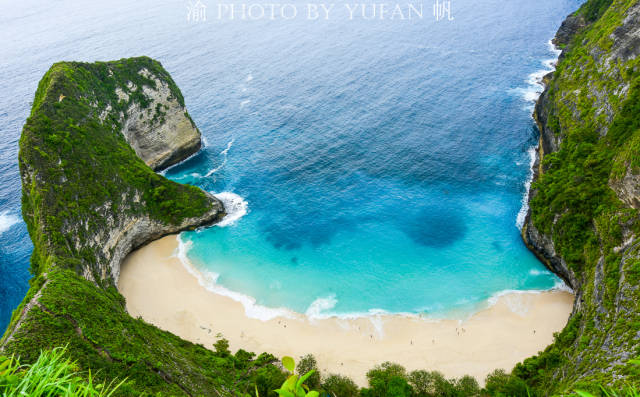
(535, 86)
(531, 95)
(224, 154)
(558, 286)
(536, 272)
(7, 220)
(317, 309)
(235, 206)
(209, 280)
(524, 208)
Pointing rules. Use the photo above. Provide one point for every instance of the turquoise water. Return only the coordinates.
(383, 163)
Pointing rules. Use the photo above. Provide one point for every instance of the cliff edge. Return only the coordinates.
(583, 221)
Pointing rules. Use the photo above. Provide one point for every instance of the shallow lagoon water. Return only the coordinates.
(383, 162)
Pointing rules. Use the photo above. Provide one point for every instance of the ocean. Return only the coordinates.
(372, 160)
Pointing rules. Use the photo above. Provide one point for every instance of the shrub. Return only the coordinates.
(340, 386)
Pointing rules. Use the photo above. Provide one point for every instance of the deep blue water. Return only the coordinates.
(383, 162)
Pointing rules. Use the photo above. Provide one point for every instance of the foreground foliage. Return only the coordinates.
(53, 374)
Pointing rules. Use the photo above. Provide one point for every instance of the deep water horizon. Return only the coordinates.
(372, 164)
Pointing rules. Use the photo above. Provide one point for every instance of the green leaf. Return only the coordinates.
(313, 394)
(304, 377)
(290, 383)
(11, 379)
(584, 393)
(284, 393)
(289, 363)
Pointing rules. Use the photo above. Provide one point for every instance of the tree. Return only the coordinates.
(340, 386)
(468, 386)
(222, 347)
(306, 364)
(500, 383)
(387, 380)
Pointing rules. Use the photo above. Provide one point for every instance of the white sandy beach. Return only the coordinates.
(159, 288)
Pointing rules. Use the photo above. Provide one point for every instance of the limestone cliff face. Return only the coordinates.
(628, 188)
(162, 134)
(583, 222)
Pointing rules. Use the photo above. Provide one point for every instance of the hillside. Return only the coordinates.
(583, 221)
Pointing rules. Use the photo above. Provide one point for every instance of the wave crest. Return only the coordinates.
(531, 95)
(235, 206)
(7, 221)
(320, 305)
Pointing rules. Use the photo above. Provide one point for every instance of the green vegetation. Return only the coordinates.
(53, 374)
(80, 181)
(592, 10)
(339, 385)
(628, 392)
(390, 379)
(295, 385)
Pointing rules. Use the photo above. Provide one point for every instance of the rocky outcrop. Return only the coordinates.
(128, 233)
(542, 246)
(162, 133)
(626, 37)
(549, 141)
(569, 27)
(628, 188)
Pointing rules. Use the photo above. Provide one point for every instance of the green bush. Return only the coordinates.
(340, 386)
(306, 364)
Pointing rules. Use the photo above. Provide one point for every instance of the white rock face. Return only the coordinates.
(161, 134)
(628, 188)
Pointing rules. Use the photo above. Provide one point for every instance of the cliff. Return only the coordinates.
(159, 128)
(583, 221)
(90, 198)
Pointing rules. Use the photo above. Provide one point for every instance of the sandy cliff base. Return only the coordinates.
(160, 290)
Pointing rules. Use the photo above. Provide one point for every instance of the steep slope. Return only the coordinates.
(88, 200)
(584, 221)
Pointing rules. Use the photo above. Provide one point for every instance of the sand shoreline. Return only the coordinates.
(159, 288)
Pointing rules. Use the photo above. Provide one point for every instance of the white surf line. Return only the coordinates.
(536, 85)
(209, 281)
